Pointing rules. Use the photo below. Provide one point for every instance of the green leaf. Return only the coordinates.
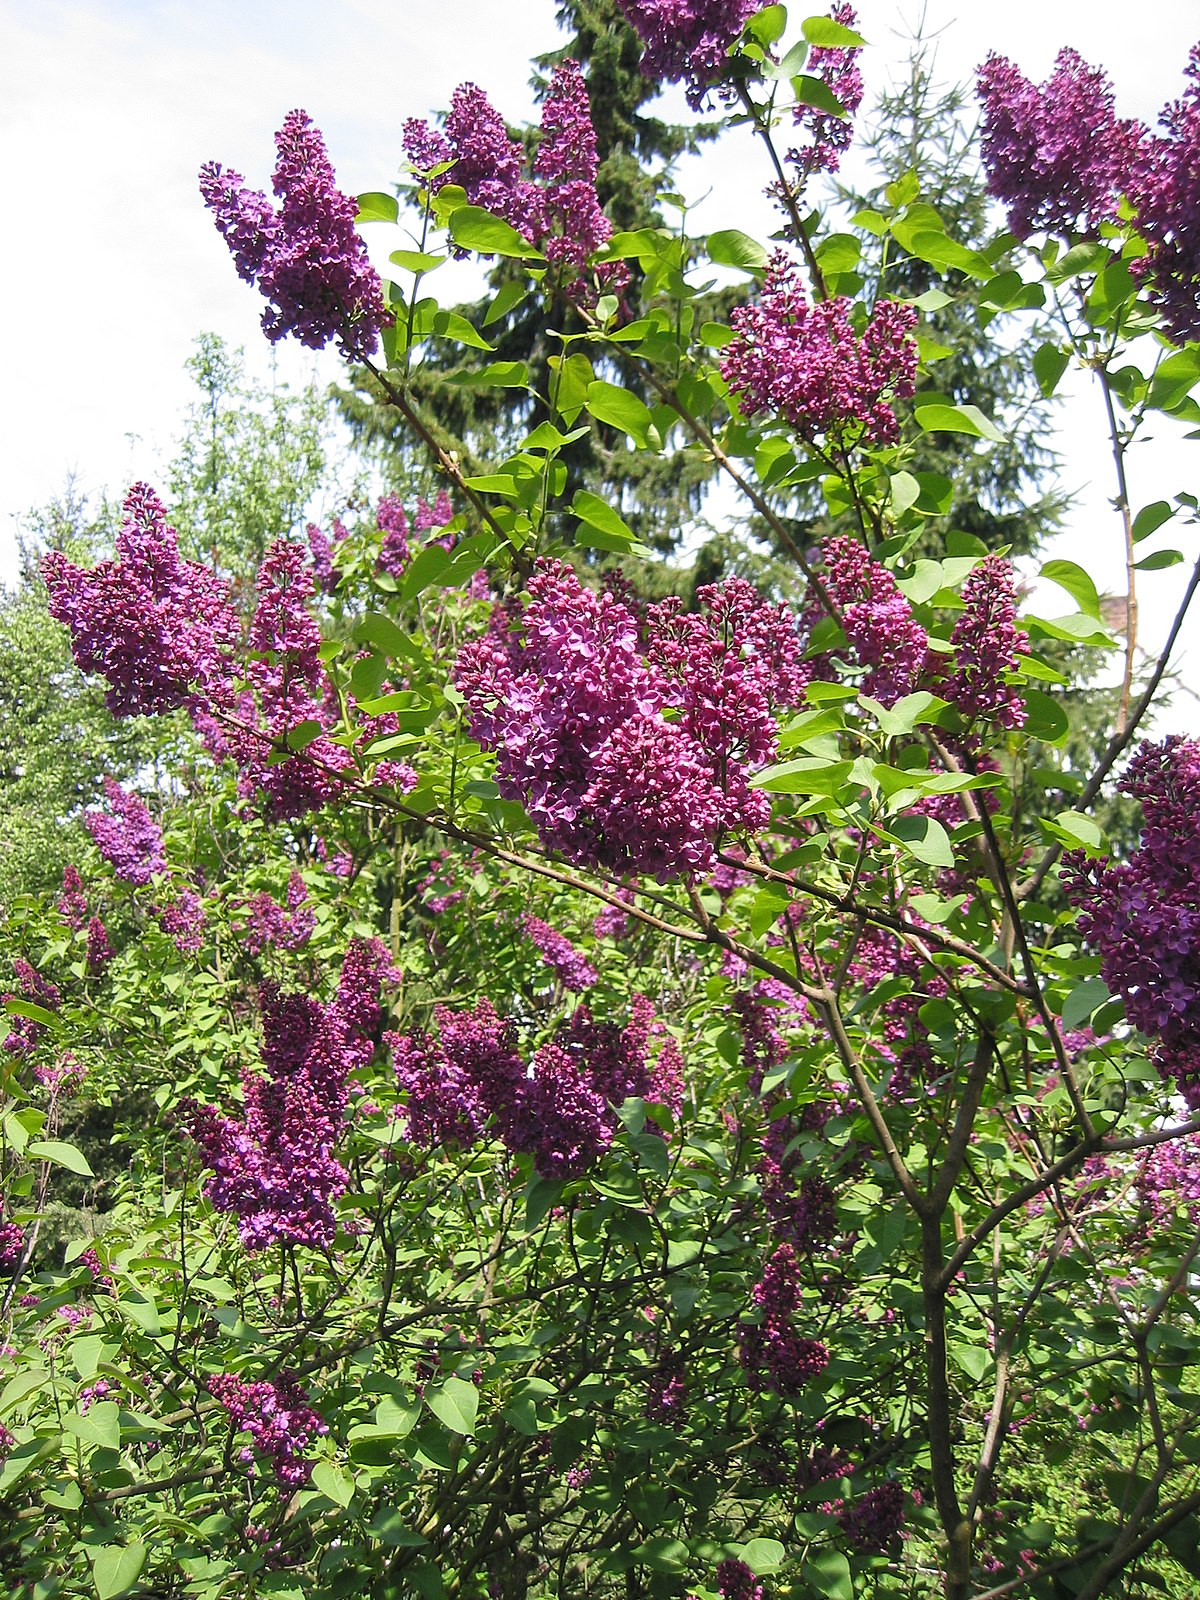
(1150, 518)
(922, 837)
(1050, 361)
(377, 207)
(456, 1404)
(508, 297)
(620, 408)
(116, 1568)
(416, 260)
(1160, 559)
(828, 34)
(1084, 1000)
(905, 492)
(767, 25)
(62, 1155)
(427, 567)
(810, 91)
(828, 1572)
(941, 251)
(940, 416)
(805, 775)
(1077, 832)
(973, 1361)
(378, 629)
(1071, 577)
(907, 713)
(100, 1424)
(1045, 719)
(397, 1416)
(768, 905)
(476, 229)
(730, 247)
(763, 1555)
(334, 1482)
(35, 1013)
(18, 1462)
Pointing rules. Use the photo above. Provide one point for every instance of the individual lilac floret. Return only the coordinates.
(773, 1355)
(127, 836)
(573, 970)
(306, 257)
(876, 618)
(280, 1419)
(735, 1581)
(72, 902)
(807, 364)
(1166, 195)
(1143, 915)
(153, 625)
(26, 1033)
(1056, 155)
(987, 643)
(687, 41)
(827, 137)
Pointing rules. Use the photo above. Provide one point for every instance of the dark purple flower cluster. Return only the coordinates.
(287, 927)
(877, 620)
(573, 970)
(99, 949)
(62, 1076)
(184, 918)
(1168, 1180)
(773, 1355)
(666, 1390)
(12, 1243)
(274, 1167)
(153, 625)
(1143, 915)
(1165, 189)
(561, 1110)
(25, 1033)
(873, 1521)
(808, 364)
(828, 137)
(557, 209)
(629, 754)
(394, 552)
(127, 836)
(800, 1207)
(279, 1417)
(735, 1581)
(306, 257)
(72, 902)
(320, 548)
(987, 643)
(687, 41)
(437, 515)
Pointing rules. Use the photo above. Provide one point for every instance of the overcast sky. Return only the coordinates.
(108, 108)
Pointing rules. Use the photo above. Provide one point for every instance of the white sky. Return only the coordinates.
(108, 108)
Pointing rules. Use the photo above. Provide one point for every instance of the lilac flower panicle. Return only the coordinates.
(127, 836)
(828, 137)
(437, 515)
(394, 552)
(987, 643)
(99, 947)
(184, 919)
(280, 1419)
(12, 1244)
(1143, 915)
(72, 902)
(287, 927)
(26, 1033)
(876, 618)
(154, 626)
(305, 257)
(773, 1355)
(736, 1581)
(567, 164)
(1165, 190)
(875, 1519)
(572, 969)
(806, 362)
(687, 41)
(1056, 155)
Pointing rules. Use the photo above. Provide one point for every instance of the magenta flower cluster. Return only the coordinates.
(631, 741)
(687, 41)
(809, 364)
(286, 927)
(1056, 154)
(827, 137)
(184, 919)
(800, 1205)
(561, 1110)
(877, 620)
(557, 209)
(153, 625)
(274, 1167)
(1165, 190)
(126, 835)
(25, 1033)
(394, 552)
(987, 643)
(12, 1244)
(572, 969)
(72, 902)
(736, 1581)
(872, 1521)
(306, 257)
(1143, 915)
(773, 1354)
(280, 1419)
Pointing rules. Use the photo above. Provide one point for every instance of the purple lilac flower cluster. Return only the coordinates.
(666, 1389)
(99, 948)
(873, 1520)
(26, 1033)
(1168, 1180)
(808, 364)
(287, 927)
(687, 41)
(274, 1167)
(1056, 155)
(572, 969)
(800, 1207)
(773, 1355)
(62, 1076)
(1143, 915)
(987, 643)
(153, 625)
(876, 619)
(828, 137)
(394, 552)
(578, 714)
(127, 836)
(325, 570)
(557, 209)
(184, 919)
(279, 1417)
(72, 902)
(306, 257)
(735, 1581)
(12, 1244)
(1165, 190)
(561, 1110)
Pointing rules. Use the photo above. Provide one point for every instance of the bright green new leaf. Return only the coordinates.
(334, 1482)
(763, 1555)
(455, 1403)
(1150, 518)
(828, 34)
(116, 1568)
(100, 1424)
(1071, 577)
(378, 207)
(62, 1155)
(940, 416)
(476, 229)
(620, 408)
(731, 248)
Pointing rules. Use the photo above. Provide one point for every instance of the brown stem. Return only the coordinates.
(1122, 504)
